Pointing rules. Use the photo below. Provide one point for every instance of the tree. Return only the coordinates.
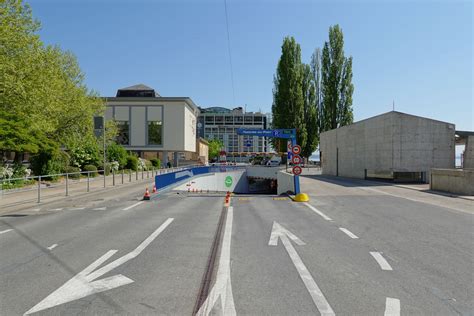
(336, 82)
(310, 112)
(215, 146)
(288, 100)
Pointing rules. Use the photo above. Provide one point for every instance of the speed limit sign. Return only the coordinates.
(297, 170)
(296, 160)
(296, 149)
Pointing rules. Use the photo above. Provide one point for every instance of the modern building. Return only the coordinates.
(222, 123)
(151, 125)
(393, 145)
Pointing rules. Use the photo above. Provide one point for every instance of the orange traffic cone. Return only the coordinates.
(146, 196)
(154, 189)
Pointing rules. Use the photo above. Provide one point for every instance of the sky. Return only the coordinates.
(417, 55)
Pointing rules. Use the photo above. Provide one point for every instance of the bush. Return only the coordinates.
(45, 163)
(132, 163)
(85, 153)
(117, 153)
(156, 162)
(71, 169)
(148, 164)
(92, 169)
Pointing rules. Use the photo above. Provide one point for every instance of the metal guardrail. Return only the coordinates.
(86, 177)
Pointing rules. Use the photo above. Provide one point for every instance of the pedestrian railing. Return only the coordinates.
(37, 187)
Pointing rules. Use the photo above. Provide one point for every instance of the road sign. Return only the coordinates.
(296, 160)
(228, 181)
(296, 149)
(297, 170)
(279, 133)
(98, 122)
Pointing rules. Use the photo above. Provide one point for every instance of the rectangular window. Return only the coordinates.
(155, 133)
(238, 120)
(219, 120)
(123, 135)
(248, 120)
(229, 120)
(209, 120)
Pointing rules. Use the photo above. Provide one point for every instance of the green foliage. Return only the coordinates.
(288, 98)
(116, 152)
(92, 169)
(310, 112)
(156, 162)
(73, 171)
(84, 152)
(215, 146)
(132, 162)
(148, 164)
(336, 82)
(48, 163)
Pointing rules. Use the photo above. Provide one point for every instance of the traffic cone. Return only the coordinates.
(154, 189)
(146, 196)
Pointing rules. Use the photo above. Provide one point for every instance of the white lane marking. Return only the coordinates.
(52, 246)
(5, 231)
(100, 209)
(57, 209)
(83, 284)
(316, 294)
(36, 209)
(77, 208)
(392, 307)
(318, 212)
(348, 233)
(381, 260)
(132, 206)
(223, 287)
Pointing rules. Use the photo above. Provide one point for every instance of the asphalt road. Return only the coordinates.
(350, 254)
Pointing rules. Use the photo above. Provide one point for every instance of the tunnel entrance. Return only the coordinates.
(262, 186)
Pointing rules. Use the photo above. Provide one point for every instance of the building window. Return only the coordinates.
(219, 120)
(123, 135)
(229, 120)
(238, 120)
(248, 120)
(209, 120)
(155, 133)
(257, 120)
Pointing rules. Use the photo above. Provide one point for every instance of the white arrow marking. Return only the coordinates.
(392, 307)
(223, 287)
(83, 283)
(318, 297)
(5, 231)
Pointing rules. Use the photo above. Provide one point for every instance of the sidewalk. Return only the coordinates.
(27, 198)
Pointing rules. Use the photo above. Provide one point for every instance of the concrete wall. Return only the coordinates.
(285, 182)
(389, 142)
(468, 162)
(216, 182)
(457, 181)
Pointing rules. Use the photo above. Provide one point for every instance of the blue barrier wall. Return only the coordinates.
(167, 179)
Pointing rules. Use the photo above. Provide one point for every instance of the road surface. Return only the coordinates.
(349, 251)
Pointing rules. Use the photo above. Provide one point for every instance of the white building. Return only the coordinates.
(151, 125)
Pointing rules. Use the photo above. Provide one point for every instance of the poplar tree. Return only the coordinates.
(336, 82)
(310, 111)
(288, 101)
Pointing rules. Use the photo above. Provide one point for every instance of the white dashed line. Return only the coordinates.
(132, 206)
(77, 208)
(57, 209)
(392, 307)
(5, 231)
(348, 233)
(100, 209)
(52, 246)
(381, 260)
(318, 212)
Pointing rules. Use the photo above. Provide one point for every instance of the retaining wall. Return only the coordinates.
(457, 181)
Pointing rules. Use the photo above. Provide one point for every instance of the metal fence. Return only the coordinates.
(85, 181)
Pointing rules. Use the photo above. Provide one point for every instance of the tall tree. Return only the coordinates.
(310, 111)
(336, 82)
(316, 73)
(288, 101)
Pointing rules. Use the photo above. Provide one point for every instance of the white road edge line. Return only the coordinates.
(5, 231)
(132, 206)
(52, 246)
(392, 307)
(381, 260)
(318, 212)
(222, 287)
(348, 233)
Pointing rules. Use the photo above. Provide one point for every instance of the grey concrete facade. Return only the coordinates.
(468, 162)
(388, 144)
(457, 181)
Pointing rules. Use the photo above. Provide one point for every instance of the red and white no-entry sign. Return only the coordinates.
(296, 150)
(296, 160)
(297, 170)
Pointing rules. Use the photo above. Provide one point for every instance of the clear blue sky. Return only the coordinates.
(418, 53)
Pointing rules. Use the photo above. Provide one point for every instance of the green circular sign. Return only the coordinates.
(228, 181)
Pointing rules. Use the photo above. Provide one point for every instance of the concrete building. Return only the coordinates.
(222, 123)
(152, 125)
(393, 145)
